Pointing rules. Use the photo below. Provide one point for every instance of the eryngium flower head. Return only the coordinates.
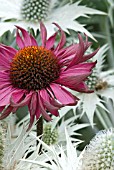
(34, 10)
(36, 75)
(50, 136)
(99, 154)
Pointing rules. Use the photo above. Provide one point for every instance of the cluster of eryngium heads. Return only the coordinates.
(23, 153)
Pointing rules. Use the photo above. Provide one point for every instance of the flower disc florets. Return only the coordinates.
(33, 68)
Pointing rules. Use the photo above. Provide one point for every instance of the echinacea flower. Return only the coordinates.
(28, 13)
(36, 76)
(99, 154)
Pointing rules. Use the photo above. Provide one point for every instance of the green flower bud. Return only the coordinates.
(49, 137)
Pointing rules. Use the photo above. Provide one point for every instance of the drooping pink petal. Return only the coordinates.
(86, 43)
(46, 97)
(5, 95)
(52, 109)
(62, 40)
(43, 93)
(42, 109)
(51, 40)
(1, 108)
(25, 40)
(4, 75)
(79, 53)
(83, 66)
(33, 41)
(17, 95)
(72, 77)
(33, 104)
(24, 102)
(83, 88)
(55, 103)
(19, 41)
(6, 112)
(4, 60)
(7, 51)
(31, 122)
(4, 84)
(11, 50)
(38, 111)
(43, 34)
(63, 95)
(87, 57)
(68, 52)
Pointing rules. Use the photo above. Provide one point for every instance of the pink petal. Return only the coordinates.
(52, 109)
(32, 109)
(33, 41)
(83, 66)
(6, 112)
(26, 41)
(50, 42)
(79, 53)
(44, 95)
(1, 108)
(43, 34)
(38, 112)
(63, 95)
(55, 103)
(4, 60)
(11, 50)
(4, 84)
(68, 52)
(42, 109)
(87, 57)
(33, 104)
(86, 43)
(31, 123)
(5, 95)
(72, 77)
(62, 40)
(7, 51)
(24, 102)
(4, 75)
(19, 41)
(83, 88)
(17, 95)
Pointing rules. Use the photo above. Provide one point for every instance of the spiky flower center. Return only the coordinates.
(35, 10)
(92, 80)
(99, 154)
(94, 83)
(34, 68)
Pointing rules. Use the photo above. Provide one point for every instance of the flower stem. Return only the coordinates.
(39, 130)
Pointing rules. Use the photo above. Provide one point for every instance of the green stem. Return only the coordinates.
(39, 130)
